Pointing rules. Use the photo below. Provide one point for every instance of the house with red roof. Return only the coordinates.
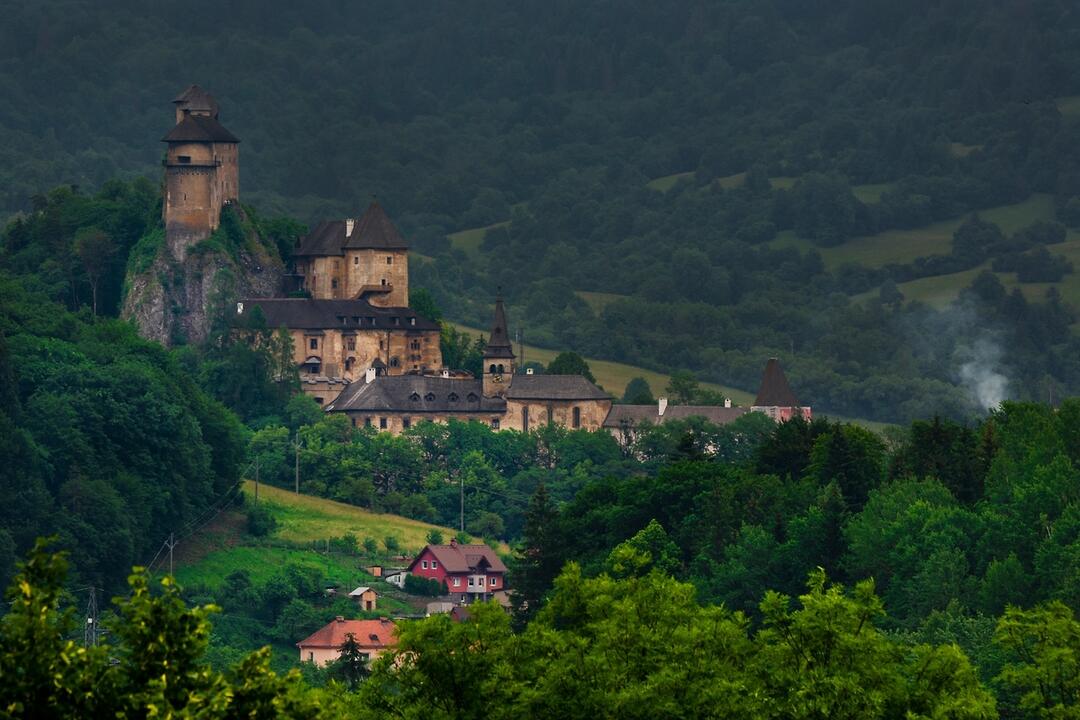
(324, 645)
(473, 572)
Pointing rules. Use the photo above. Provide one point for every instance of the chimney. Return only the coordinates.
(239, 308)
(340, 618)
(528, 371)
(369, 375)
(727, 402)
(453, 542)
(446, 372)
(349, 223)
(662, 406)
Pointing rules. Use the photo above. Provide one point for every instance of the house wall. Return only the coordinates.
(783, 414)
(561, 412)
(363, 599)
(322, 656)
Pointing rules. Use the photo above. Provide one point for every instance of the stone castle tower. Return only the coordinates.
(498, 356)
(202, 171)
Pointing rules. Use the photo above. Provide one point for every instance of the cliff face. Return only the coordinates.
(176, 301)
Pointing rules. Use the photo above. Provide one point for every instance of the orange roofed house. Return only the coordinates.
(324, 645)
(473, 571)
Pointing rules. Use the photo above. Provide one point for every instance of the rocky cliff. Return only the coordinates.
(177, 300)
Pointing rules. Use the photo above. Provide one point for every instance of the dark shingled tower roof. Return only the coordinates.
(775, 391)
(498, 344)
(373, 231)
(195, 98)
(376, 231)
(200, 128)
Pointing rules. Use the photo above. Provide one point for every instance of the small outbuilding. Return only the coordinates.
(365, 598)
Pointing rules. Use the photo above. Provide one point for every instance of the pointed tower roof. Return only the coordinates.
(196, 99)
(498, 344)
(375, 230)
(775, 391)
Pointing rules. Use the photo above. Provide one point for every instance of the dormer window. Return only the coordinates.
(429, 397)
(415, 397)
(397, 320)
(472, 397)
(412, 321)
(452, 397)
(371, 319)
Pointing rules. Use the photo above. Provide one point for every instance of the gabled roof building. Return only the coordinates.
(470, 572)
(324, 645)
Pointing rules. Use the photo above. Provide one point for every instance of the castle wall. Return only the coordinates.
(412, 350)
(394, 421)
(199, 178)
(592, 414)
(323, 277)
(375, 268)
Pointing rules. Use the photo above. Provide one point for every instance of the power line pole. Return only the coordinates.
(171, 543)
(461, 481)
(90, 632)
(296, 486)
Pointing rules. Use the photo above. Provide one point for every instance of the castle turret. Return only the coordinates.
(202, 171)
(775, 397)
(498, 355)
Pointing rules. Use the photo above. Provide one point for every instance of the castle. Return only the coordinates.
(361, 350)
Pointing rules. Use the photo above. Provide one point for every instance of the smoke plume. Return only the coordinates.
(980, 373)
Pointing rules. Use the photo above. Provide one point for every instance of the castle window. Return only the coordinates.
(414, 345)
(183, 158)
(356, 320)
(384, 282)
(472, 397)
(453, 397)
(353, 420)
(318, 400)
(429, 397)
(314, 343)
(394, 362)
(415, 397)
(349, 364)
(356, 260)
(412, 321)
(367, 422)
(501, 369)
(333, 283)
(577, 417)
(494, 423)
(397, 320)
(350, 343)
(551, 414)
(525, 419)
(382, 423)
(406, 423)
(389, 261)
(380, 344)
(371, 319)
(492, 369)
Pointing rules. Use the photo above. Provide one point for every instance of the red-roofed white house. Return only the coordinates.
(324, 645)
(472, 571)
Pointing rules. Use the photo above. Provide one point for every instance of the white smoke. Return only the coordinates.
(980, 373)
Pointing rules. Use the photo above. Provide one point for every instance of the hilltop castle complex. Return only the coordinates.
(360, 349)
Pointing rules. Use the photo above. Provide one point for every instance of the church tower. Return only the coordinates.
(498, 355)
(202, 171)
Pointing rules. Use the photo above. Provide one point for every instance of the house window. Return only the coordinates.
(494, 423)
(382, 423)
(314, 344)
(577, 417)
(423, 564)
(470, 582)
(434, 564)
(457, 582)
(406, 423)
(311, 656)
(492, 581)
(351, 343)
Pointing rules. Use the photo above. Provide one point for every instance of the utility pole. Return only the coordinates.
(296, 486)
(461, 481)
(90, 632)
(171, 543)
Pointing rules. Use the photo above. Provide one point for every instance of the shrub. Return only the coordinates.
(429, 587)
(260, 521)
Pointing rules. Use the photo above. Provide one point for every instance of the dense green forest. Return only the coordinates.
(557, 117)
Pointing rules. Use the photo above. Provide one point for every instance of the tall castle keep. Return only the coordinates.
(202, 171)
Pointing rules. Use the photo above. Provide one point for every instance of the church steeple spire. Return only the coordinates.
(498, 354)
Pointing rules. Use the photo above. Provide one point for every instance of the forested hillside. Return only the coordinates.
(780, 130)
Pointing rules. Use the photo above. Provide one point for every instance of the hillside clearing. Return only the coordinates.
(597, 301)
(469, 241)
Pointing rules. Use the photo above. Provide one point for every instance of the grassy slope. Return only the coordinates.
(302, 519)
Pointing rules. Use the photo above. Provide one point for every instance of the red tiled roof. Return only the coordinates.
(367, 633)
(463, 558)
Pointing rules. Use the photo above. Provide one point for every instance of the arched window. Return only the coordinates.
(393, 362)
(501, 369)
(492, 369)
(415, 397)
